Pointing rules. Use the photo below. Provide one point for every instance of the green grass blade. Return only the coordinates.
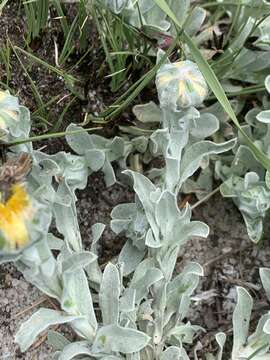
(62, 17)
(214, 84)
(68, 46)
(2, 5)
(50, 136)
(54, 69)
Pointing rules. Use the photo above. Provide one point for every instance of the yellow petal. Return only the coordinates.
(164, 79)
(182, 88)
(13, 216)
(14, 230)
(19, 200)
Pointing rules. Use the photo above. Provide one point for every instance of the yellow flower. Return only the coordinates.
(13, 216)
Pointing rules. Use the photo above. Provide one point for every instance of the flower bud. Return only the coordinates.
(180, 85)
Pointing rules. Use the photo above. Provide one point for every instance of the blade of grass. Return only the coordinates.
(65, 76)
(46, 105)
(214, 84)
(61, 117)
(84, 25)
(5, 56)
(62, 16)
(2, 5)
(103, 40)
(118, 106)
(35, 91)
(49, 136)
(68, 46)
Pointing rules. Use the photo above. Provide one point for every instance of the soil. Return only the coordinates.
(228, 257)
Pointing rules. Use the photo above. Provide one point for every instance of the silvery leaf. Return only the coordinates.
(220, 339)
(78, 260)
(180, 9)
(54, 242)
(181, 287)
(266, 327)
(264, 117)
(127, 300)
(151, 241)
(130, 256)
(80, 142)
(185, 332)
(37, 323)
(57, 340)
(144, 276)
(77, 299)
(168, 261)
(78, 348)
(260, 339)
(93, 270)
(195, 21)
(122, 215)
(66, 219)
(265, 278)
(140, 144)
(171, 353)
(95, 159)
(109, 175)
(194, 154)
(267, 83)
(206, 125)
(141, 286)
(167, 213)
(144, 187)
(252, 198)
(40, 268)
(241, 319)
(97, 231)
(113, 338)
(109, 293)
(148, 113)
